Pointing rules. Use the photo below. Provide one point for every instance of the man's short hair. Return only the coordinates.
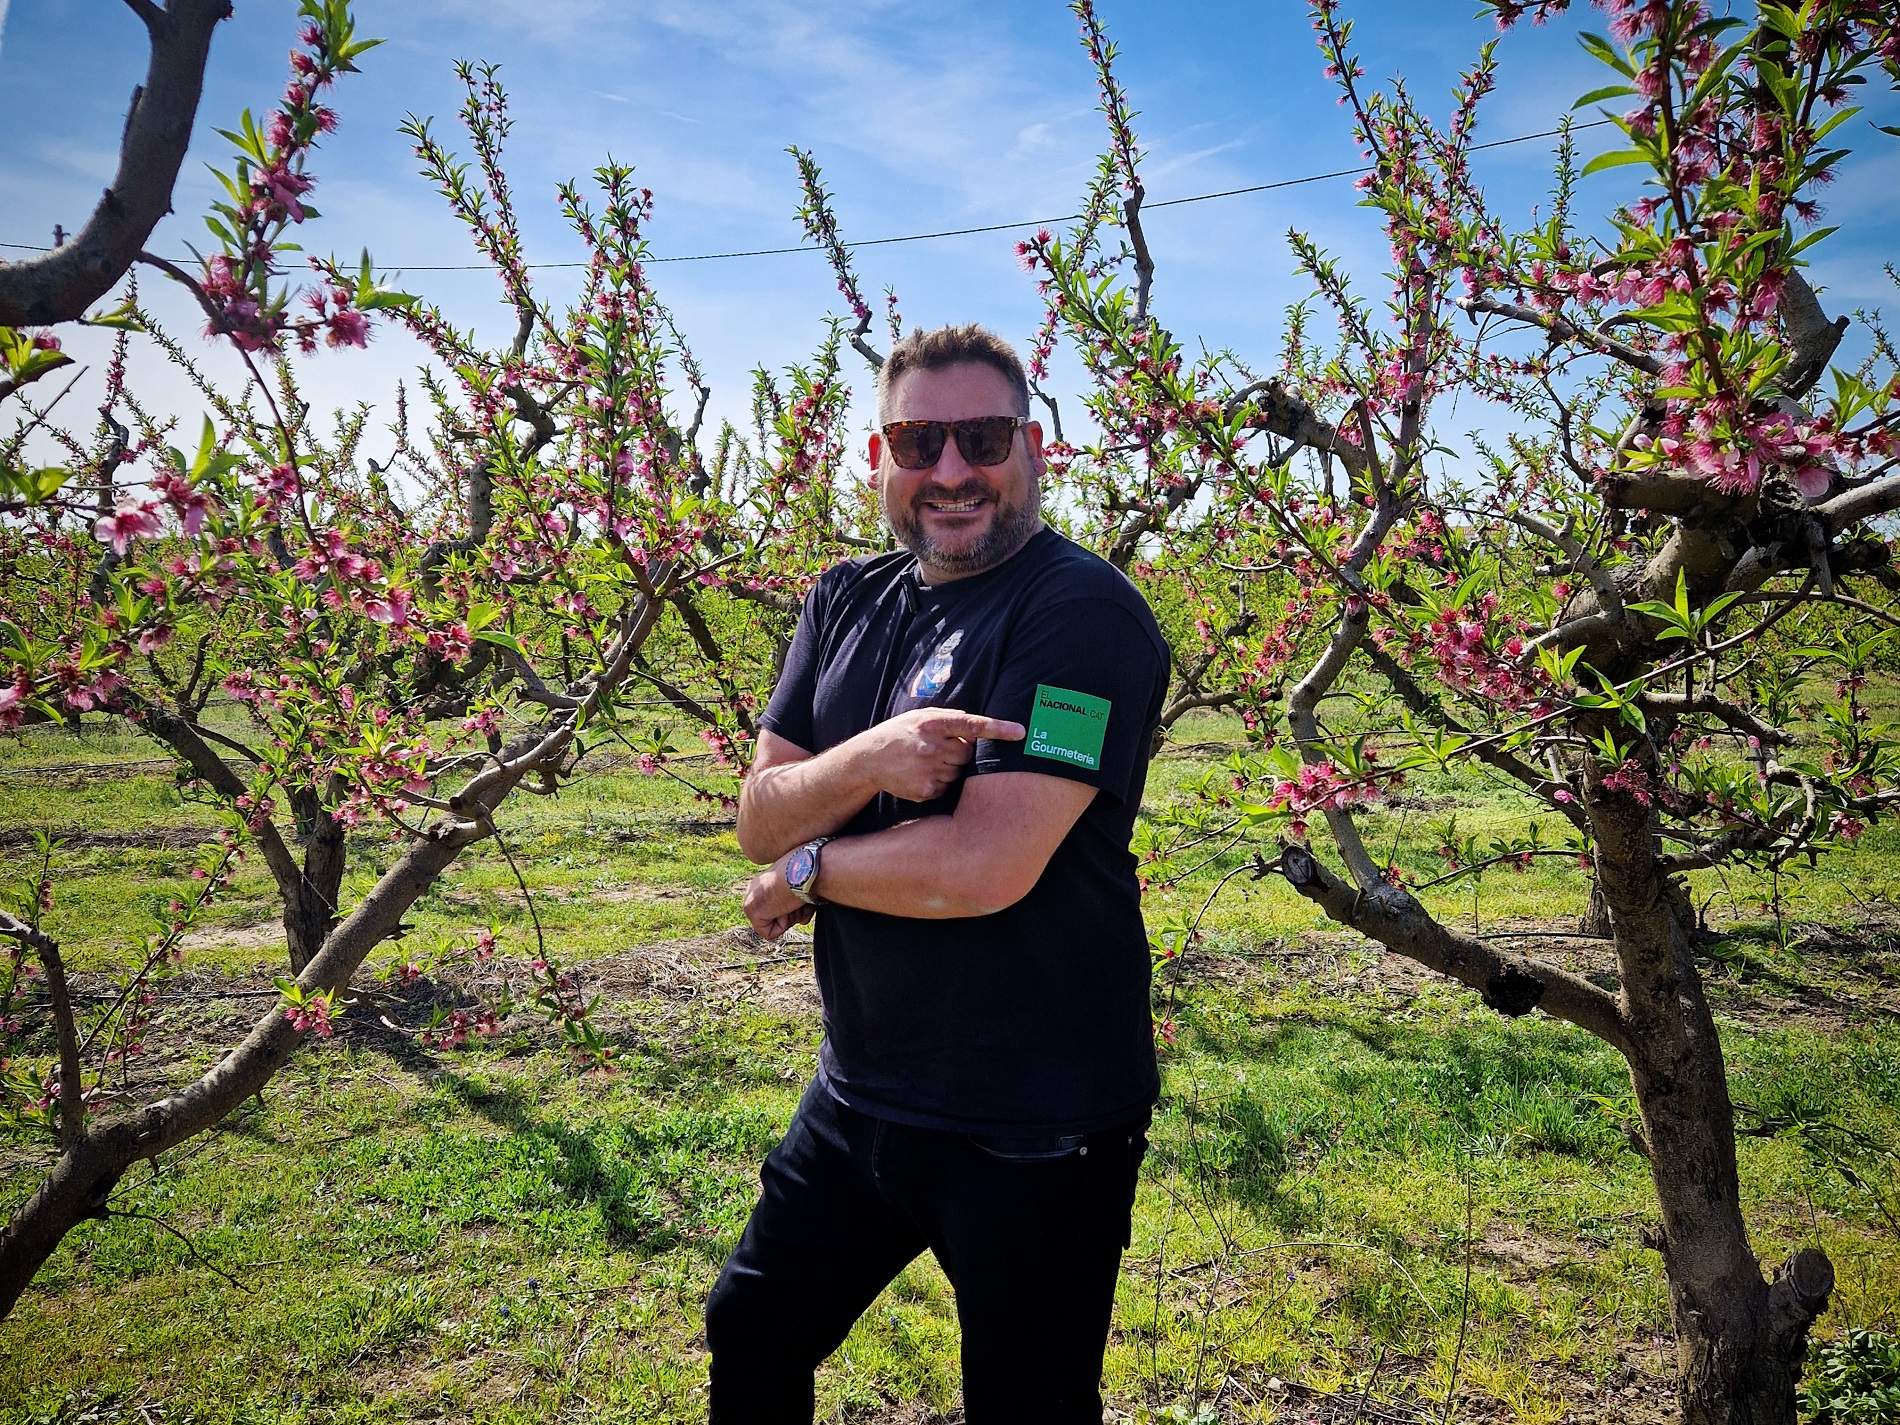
(951, 346)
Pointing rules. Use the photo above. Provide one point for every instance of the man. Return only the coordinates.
(949, 771)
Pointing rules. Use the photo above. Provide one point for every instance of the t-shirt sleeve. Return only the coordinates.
(789, 713)
(1083, 677)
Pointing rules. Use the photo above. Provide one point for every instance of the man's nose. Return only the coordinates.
(951, 468)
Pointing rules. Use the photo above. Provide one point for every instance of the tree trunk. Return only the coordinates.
(310, 913)
(1740, 1340)
(1596, 916)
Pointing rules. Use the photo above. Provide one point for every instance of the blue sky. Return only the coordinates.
(922, 119)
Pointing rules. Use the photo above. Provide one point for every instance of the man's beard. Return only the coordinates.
(1011, 525)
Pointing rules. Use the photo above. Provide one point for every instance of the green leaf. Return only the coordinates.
(120, 318)
(30, 363)
(1608, 91)
(1840, 118)
(501, 638)
(1819, 233)
(1607, 52)
(1616, 158)
(207, 447)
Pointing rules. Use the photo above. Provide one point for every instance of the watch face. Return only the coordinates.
(798, 870)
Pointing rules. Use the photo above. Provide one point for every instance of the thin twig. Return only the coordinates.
(1464, 1308)
(190, 1246)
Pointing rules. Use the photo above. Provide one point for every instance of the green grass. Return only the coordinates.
(494, 1235)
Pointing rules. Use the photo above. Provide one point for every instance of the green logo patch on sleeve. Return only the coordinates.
(1067, 727)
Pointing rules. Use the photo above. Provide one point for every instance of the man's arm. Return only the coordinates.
(985, 857)
(789, 796)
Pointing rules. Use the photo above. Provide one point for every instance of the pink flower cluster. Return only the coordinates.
(13, 695)
(312, 1016)
(1322, 786)
(1732, 449)
(1632, 780)
(453, 1033)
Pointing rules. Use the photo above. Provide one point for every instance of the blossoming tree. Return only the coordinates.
(1585, 613)
(409, 643)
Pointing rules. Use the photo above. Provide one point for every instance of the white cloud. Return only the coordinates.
(96, 163)
(1153, 172)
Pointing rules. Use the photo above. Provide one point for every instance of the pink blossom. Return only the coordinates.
(12, 703)
(348, 327)
(1812, 481)
(312, 1016)
(396, 611)
(132, 519)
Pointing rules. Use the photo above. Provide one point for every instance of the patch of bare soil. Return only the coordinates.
(1632, 1395)
(263, 936)
(183, 838)
(80, 773)
(194, 1015)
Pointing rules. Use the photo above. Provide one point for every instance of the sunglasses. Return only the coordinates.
(983, 440)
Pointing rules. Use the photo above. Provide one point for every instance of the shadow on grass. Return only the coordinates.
(1844, 959)
(660, 1178)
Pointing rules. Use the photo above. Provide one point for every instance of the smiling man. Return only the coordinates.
(947, 779)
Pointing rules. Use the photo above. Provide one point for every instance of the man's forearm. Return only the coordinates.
(926, 869)
(792, 802)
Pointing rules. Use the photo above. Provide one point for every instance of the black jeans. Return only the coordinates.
(1029, 1232)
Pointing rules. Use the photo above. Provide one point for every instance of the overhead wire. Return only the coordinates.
(1272, 186)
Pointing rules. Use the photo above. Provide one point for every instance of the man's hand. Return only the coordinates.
(771, 906)
(917, 755)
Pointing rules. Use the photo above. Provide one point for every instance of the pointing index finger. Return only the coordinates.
(975, 725)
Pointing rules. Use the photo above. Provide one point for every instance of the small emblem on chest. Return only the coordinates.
(935, 672)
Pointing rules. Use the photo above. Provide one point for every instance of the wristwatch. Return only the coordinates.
(801, 870)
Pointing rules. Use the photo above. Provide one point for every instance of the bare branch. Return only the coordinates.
(1562, 329)
(1677, 704)
(1609, 597)
(1144, 263)
(1812, 338)
(60, 285)
(149, 13)
(1864, 502)
(1510, 983)
(1284, 414)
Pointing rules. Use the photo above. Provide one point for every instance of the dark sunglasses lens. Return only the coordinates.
(915, 445)
(986, 441)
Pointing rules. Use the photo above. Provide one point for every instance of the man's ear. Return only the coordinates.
(875, 450)
(1032, 442)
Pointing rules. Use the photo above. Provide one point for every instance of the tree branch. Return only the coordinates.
(1676, 704)
(60, 285)
(1812, 338)
(1509, 983)
(72, 1097)
(1562, 329)
(1284, 414)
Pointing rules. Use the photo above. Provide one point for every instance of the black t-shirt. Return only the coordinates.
(1035, 1018)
